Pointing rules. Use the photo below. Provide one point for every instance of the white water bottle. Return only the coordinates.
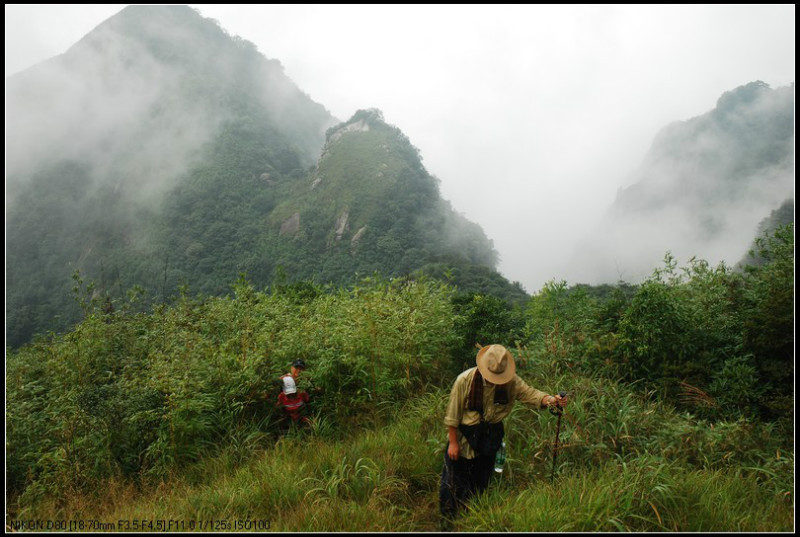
(500, 458)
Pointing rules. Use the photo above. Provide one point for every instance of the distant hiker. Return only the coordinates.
(292, 401)
(298, 366)
(479, 400)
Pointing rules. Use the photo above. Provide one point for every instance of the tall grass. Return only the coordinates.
(384, 477)
(147, 396)
(643, 495)
(169, 416)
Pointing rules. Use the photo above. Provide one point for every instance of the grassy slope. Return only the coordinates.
(626, 463)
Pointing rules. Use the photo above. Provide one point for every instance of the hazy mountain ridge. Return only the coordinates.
(145, 91)
(702, 189)
(161, 152)
(370, 198)
(713, 157)
(153, 153)
(780, 217)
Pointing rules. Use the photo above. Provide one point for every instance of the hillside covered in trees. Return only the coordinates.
(702, 189)
(159, 153)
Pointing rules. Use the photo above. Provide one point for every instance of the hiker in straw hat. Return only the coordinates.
(479, 400)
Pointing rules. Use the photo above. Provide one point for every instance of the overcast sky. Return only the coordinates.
(532, 117)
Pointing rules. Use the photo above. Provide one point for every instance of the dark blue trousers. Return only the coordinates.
(461, 480)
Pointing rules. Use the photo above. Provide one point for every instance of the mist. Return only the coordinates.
(533, 118)
(111, 103)
(702, 190)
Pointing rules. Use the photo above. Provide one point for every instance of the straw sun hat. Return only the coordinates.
(496, 364)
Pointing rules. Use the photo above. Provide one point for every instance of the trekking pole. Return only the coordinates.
(558, 432)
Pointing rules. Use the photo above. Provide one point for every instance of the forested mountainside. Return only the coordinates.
(160, 153)
(780, 217)
(703, 188)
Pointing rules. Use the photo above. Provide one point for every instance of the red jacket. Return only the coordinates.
(293, 404)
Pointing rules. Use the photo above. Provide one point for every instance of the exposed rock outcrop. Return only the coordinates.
(356, 238)
(291, 225)
(341, 225)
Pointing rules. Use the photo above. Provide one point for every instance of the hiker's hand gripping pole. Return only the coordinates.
(558, 403)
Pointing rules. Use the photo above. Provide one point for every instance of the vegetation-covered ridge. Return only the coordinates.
(168, 188)
(742, 148)
(681, 416)
(702, 188)
(370, 205)
(222, 173)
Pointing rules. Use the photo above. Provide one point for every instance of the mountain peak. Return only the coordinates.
(741, 96)
(169, 33)
(159, 144)
(704, 185)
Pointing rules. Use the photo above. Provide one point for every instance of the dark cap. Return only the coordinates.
(299, 363)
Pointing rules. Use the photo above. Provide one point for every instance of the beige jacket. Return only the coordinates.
(457, 413)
